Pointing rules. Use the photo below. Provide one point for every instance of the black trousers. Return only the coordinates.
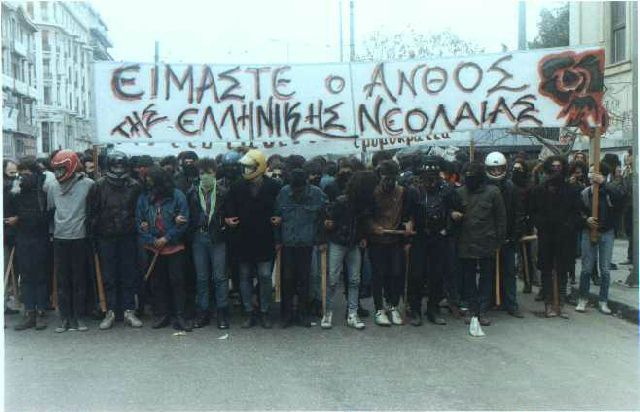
(554, 253)
(32, 256)
(428, 257)
(296, 271)
(71, 276)
(168, 284)
(387, 265)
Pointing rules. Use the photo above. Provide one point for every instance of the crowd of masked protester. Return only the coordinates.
(246, 240)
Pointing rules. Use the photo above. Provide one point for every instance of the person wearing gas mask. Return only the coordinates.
(482, 232)
(188, 173)
(206, 202)
(300, 207)
(162, 216)
(392, 208)
(68, 199)
(274, 167)
(436, 206)
(27, 214)
(112, 205)
(554, 207)
(250, 215)
(496, 170)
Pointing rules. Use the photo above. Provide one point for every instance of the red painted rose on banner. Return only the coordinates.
(575, 81)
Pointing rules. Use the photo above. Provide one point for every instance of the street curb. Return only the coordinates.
(621, 310)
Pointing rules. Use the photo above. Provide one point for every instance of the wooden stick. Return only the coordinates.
(8, 270)
(278, 268)
(525, 264)
(595, 143)
(529, 238)
(407, 256)
(101, 296)
(498, 297)
(396, 232)
(152, 265)
(323, 272)
(14, 282)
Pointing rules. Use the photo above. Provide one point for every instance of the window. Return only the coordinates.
(47, 95)
(619, 31)
(30, 9)
(46, 46)
(58, 95)
(44, 10)
(46, 68)
(46, 137)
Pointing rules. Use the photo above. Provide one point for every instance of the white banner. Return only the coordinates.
(210, 104)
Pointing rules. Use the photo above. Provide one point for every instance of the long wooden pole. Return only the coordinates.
(101, 296)
(498, 297)
(278, 268)
(7, 271)
(323, 270)
(595, 202)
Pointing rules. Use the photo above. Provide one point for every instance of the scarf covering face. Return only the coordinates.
(212, 195)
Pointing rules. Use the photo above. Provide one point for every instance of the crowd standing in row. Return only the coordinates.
(182, 233)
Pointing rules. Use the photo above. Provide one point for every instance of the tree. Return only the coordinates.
(553, 28)
(410, 44)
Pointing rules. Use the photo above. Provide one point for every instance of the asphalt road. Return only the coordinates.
(588, 362)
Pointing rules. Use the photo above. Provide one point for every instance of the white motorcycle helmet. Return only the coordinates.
(496, 166)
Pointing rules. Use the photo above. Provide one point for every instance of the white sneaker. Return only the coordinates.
(382, 319)
(581, 306)
(604, 308)
(108, 320)
(131, 319)
(327, 320)
(353, 321)
(396, 319)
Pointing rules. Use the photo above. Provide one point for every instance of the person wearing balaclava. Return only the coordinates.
(68, 199)
(391, 211)
(250, 216)
(436, 206)
(496, 171)
(522, 188)
(162, 216)
(300, 205)
(483, 230)
(27, 214)
(207, 228)
(9, 184)
(554, 207)
(187, 176)
(112, 205)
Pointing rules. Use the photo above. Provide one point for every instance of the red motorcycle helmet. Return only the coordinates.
(64, 164)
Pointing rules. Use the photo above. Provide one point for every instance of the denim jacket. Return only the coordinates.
(302, 222)
(170, 209)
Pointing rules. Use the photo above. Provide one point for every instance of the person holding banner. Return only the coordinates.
(483, 231)
(496, 166)
(206, 203)
(162, 215)
(436, 205)
(300, 208)
(68, 199)
(389, 228)
(26, 212)
(112, 205)
(346, 232)
(250, 215)
(611, 197)
(555, 210)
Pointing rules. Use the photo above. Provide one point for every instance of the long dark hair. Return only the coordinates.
(163, 184)
(360, 190)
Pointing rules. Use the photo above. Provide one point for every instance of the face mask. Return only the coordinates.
(298, 179)
(190, 170)
(59, 173)
(207, 181)
(28, 181)
(473, 182)
(343, 177)
(554, 179)
(388, 183)
(519, 177)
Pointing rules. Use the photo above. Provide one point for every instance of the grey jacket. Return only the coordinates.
(69, 199)
(484, 225)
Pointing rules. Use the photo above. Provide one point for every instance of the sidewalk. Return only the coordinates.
(623, 301)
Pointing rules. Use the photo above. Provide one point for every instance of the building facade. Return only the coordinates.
(70, 36)
(612, 25)
(19, 93)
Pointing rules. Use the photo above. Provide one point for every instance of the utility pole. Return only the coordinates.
(341, 41)
(634, 138)
(522, 25)
(352, 39)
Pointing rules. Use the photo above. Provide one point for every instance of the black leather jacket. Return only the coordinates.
(112, 207)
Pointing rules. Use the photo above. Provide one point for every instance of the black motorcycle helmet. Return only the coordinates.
(117, 165)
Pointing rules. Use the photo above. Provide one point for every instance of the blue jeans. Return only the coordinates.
(339, 256)
(118, 258)
(264, 271)
(315, 286)
(508, 273)
(210, 260)
(604, 250)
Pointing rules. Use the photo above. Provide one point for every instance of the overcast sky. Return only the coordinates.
(295, 31)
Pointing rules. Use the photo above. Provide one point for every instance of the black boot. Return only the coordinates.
(201, 320)
(223, 318)
(433, 314)
(160, 322)
(41, 320)
(265, 321)
(527, 288)
(416, 318)
(249, 321)
(28, 321)
(181, 324)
